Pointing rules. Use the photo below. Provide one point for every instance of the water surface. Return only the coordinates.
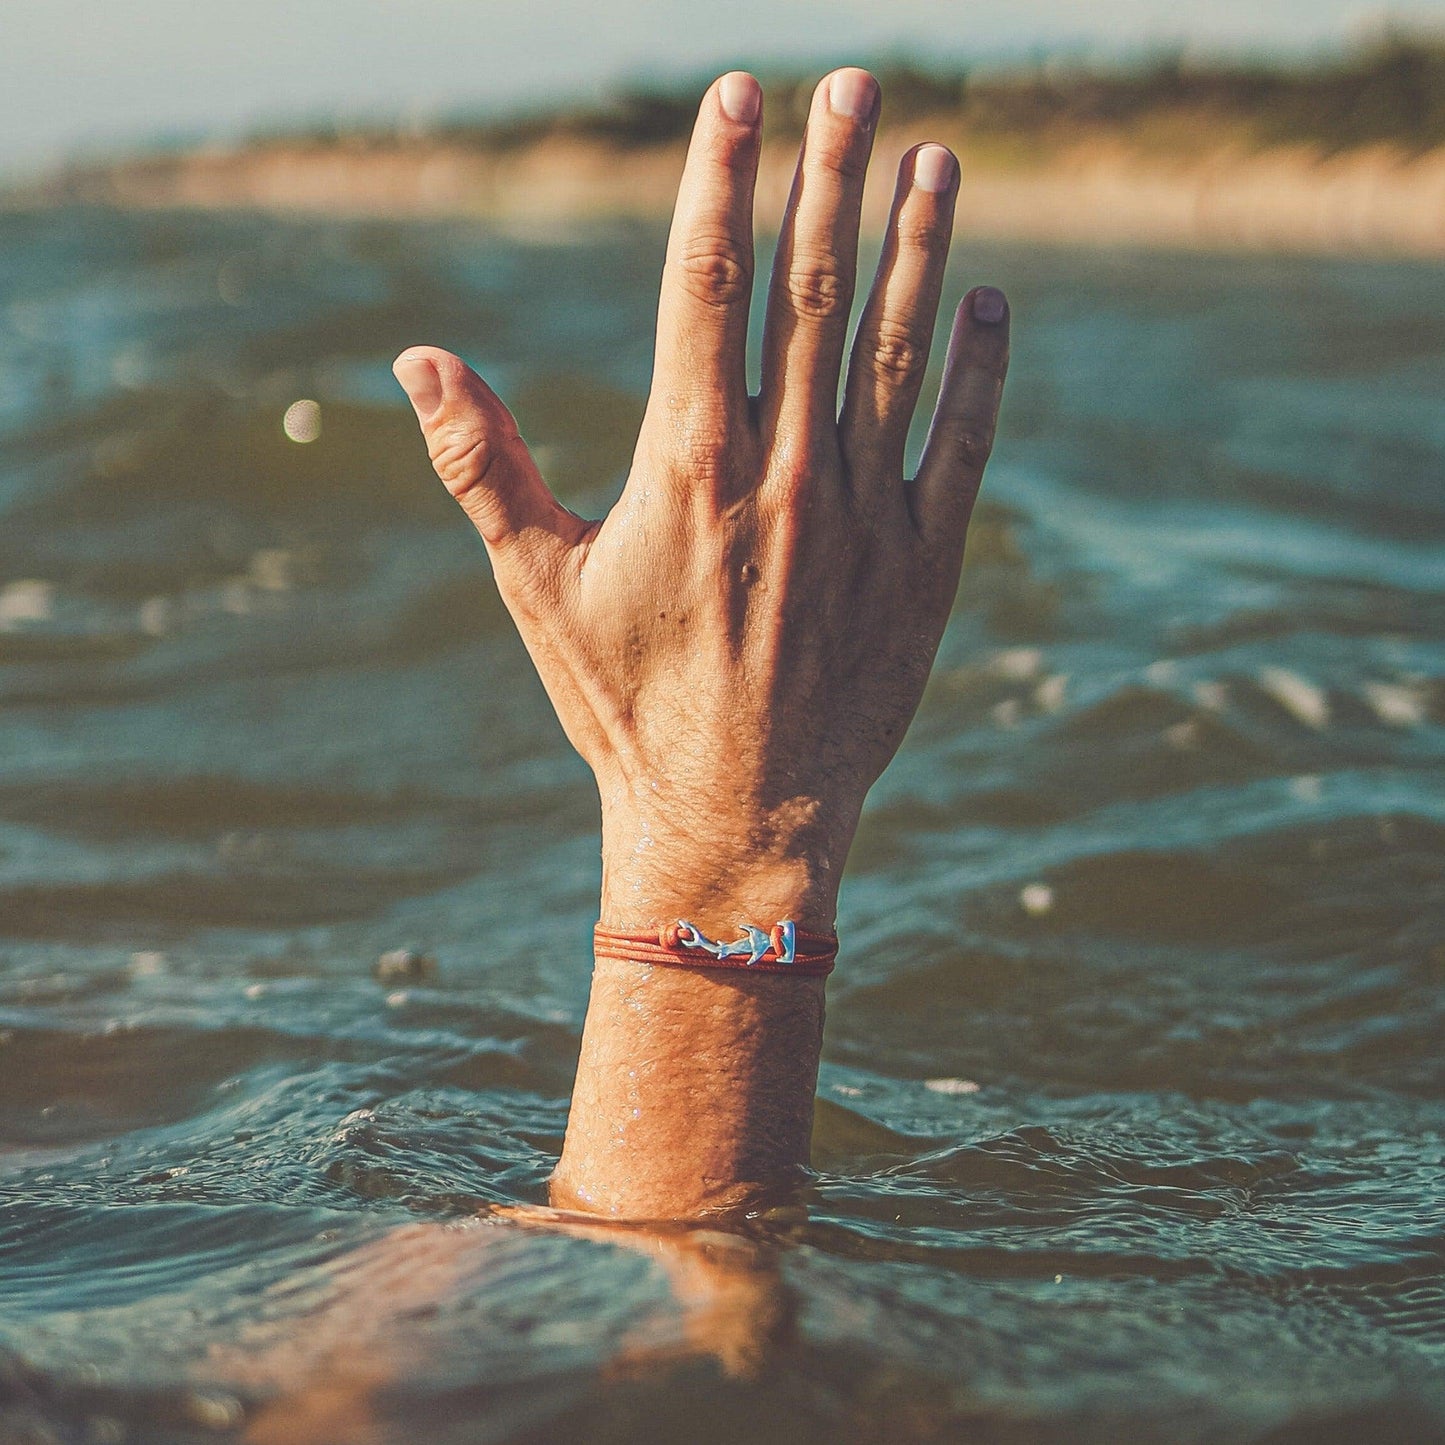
(1130, 1121)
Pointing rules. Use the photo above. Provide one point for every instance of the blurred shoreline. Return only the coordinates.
(1371, 200)
(1348, 159)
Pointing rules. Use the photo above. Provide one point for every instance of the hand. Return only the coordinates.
(738, 648)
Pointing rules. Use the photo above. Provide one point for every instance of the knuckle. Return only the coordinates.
(921, 237)
(702, 456)
(462, 460)
(716, 271)
(899, 352)
(791, 478)
(733, 151)
(815, 288)
(836, 154)
(695, 422)
(968, 441)
(700, 452)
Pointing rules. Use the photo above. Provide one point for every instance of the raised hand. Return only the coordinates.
(739, 646)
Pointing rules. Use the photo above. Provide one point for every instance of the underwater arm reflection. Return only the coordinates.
(738, 648)
(385, 1320)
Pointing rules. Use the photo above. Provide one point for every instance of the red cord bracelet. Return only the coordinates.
(785, 948)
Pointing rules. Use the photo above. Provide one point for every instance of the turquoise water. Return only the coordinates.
(1130, 1120)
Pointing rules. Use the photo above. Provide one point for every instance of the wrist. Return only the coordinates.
(660, 1042)
(720, 868)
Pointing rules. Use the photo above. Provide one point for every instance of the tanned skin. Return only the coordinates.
(737, 648)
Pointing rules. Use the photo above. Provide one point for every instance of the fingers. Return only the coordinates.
(961, 436)
(483, 461)
(890, 351)
(707, 280)
(817, 261)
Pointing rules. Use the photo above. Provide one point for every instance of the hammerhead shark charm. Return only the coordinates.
(751, 946)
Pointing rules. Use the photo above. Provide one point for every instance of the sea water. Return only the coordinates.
(1130, 1118)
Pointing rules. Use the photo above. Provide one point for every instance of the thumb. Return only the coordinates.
(480, 456)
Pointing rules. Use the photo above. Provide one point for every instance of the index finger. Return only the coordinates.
(707, 280)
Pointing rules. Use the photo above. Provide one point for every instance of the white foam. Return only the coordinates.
(29, 600)
(1037, 899)
(1396, 704)
(1297, 695)
(1018, 664)
(1049, 694)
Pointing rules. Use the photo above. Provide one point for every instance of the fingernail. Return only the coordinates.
(853, 94)
(741, 97)
(421, 382)
(934, 169)
(989, 305)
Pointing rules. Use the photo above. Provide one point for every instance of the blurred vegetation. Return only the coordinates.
(1392, 91)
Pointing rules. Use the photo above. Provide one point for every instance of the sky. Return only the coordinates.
(96, 77)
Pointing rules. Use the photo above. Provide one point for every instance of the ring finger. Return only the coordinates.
(890, 352)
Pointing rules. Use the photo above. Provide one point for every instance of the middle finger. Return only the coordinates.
(817, 262)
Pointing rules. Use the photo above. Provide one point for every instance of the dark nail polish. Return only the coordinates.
(990, 306)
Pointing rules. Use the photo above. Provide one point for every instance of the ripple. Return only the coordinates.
(1131, 1122)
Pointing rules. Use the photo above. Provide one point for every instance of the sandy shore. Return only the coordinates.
(1098, 191)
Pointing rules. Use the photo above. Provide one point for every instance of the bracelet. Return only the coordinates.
(785, 948)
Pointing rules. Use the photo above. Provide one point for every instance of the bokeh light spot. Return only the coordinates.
(302, 422)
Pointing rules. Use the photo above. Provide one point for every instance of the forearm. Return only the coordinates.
(695, 1084)
(694, 1090)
